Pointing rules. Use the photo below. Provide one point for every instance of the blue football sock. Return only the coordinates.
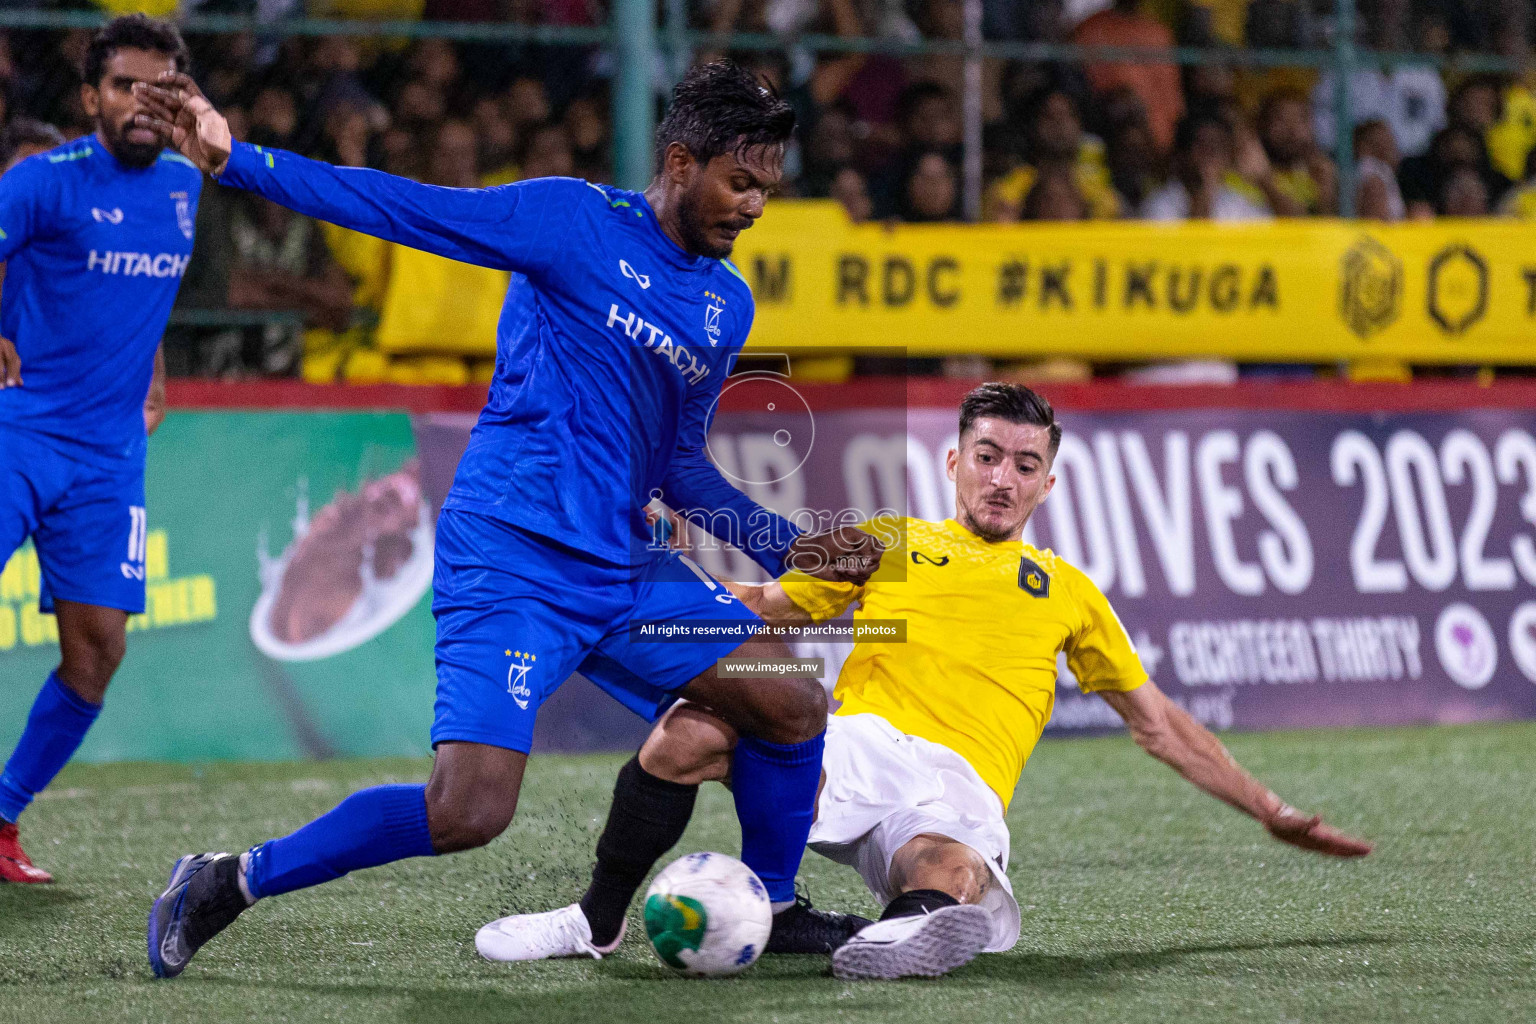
(775, 789)
(59, 720)
(371, 827)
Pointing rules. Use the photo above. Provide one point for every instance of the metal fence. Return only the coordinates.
(641, 38)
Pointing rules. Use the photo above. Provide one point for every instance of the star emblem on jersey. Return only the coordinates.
(517, 677)
(112, 216)
(183, 213)
(1033, 579)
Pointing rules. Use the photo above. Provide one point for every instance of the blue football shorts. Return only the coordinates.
(517, 613)
(86, 522)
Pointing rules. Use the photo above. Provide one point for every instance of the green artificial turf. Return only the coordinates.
(1143, 900)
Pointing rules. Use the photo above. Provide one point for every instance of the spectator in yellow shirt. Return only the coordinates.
(1306, 184)
(1056, 145)
(1513, 136)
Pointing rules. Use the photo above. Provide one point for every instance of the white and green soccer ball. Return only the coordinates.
(708, 916)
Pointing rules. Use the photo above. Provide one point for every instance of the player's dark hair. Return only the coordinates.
(721, 108)
(1012, 402)
(133, 32)
(25, 131)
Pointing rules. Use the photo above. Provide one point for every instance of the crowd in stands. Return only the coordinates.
(880, 134)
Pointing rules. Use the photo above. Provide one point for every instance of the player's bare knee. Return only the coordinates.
(950, 866)
(689, 746)
(90, 659)
(458, 823)
(471, 795)
(675, 763)
(802, 713)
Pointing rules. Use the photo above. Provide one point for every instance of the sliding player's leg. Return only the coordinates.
(89, 530)
(933, 870)
(929, 839)
(514, 617)
(935, 923)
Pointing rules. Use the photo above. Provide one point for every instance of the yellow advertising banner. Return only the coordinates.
(1306, 290)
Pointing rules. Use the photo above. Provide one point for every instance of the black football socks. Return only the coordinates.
(918, 901)
(647, 818)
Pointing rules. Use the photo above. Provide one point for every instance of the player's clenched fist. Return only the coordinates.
(178, 109)
(843, 555)
(1292, 826)
(10, 365)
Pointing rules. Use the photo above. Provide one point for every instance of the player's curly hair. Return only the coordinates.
(1012, 402)
(133, 32)
(720, 108)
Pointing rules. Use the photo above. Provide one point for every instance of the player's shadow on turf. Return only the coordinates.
(1046, 967)
(770, 968)
(21, 905)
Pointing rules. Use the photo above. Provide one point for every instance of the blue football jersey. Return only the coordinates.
(612, 348)
(94, 253)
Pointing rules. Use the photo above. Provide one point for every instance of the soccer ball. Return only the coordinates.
(708, 916)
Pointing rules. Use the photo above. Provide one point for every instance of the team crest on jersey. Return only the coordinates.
(1033, 579)
(517, 677)
(183, 213)
(712, 318)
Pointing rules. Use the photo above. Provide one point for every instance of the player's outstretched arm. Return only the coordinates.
(469, 225)
(770, 603)
(844, 554)
(1168, 733)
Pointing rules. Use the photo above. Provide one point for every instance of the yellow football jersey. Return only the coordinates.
(985, 622)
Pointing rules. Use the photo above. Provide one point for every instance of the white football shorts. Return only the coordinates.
(884, 788)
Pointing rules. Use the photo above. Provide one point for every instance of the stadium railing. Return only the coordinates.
(632, 34)
(639, 49)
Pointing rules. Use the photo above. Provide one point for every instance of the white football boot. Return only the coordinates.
(919, 945)
(554, 933)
